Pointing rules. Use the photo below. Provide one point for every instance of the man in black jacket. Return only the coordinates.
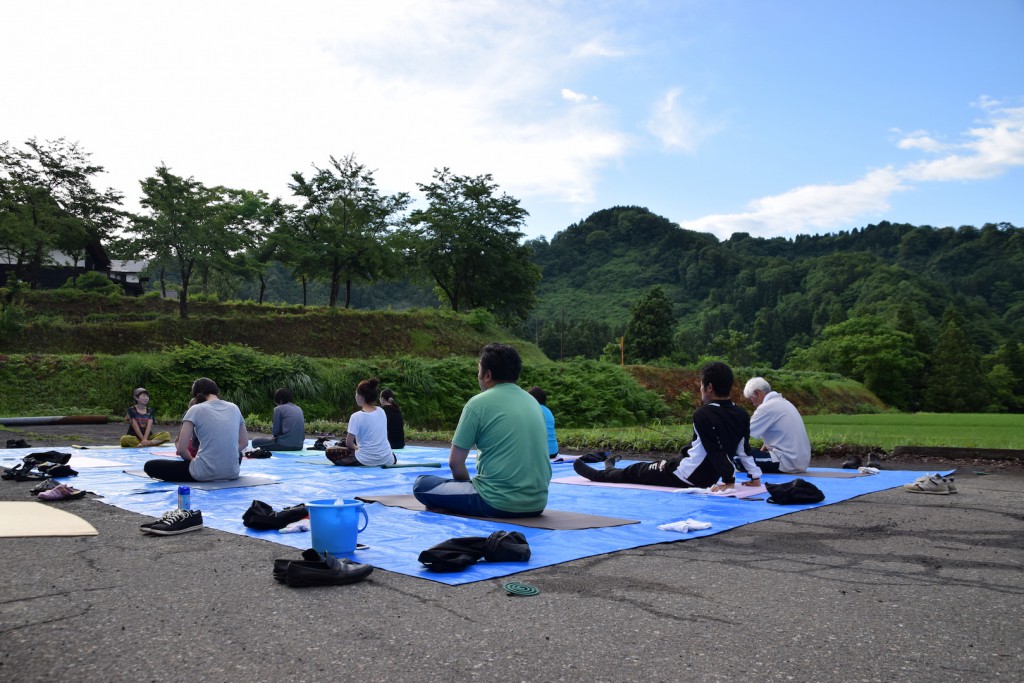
(721, 429)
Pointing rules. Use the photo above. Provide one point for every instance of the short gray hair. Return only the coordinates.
(756, 384)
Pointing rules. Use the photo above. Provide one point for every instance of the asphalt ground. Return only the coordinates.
(890, 586)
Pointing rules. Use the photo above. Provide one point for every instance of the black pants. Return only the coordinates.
(762, 459)
(168, 470)
(638, 473)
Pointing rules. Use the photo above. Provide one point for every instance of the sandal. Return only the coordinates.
(43, 486)
(61, 492)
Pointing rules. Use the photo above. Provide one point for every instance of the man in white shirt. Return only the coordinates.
(778, 424)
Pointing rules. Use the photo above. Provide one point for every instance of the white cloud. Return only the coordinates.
(596, 47)
(920, 139)
(245, 93)
(573, 96)
(675, 125)
(808, 209)
(990, 150)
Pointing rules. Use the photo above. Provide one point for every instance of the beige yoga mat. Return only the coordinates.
(23, 520)
(560, 520)
(739, 491)
(242, 481)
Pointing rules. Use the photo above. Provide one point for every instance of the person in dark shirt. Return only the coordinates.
(140, 419)
(396, 425)
(721, 429)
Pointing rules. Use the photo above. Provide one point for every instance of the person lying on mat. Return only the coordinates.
(778, 424)
(222, 435)
(367, 439)
(288, 426)
(721, 429)
(140, 423)
(506, 426)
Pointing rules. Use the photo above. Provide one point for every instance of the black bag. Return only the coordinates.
(262, 517)
(796, 492)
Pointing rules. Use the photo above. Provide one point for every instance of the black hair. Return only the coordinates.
(368, 389)
(719, 376)
(204, 386)
(539, 394)
(388, 395)
(282, 396)
(502, 361)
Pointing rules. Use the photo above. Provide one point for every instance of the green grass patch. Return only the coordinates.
(951, 430)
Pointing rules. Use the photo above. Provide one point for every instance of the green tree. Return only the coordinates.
(467, 244)
(870, 351)
(955, 381)
(48, 203)
(649, 332)
(193, 225)
(339, 232)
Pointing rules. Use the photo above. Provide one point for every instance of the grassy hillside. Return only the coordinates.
(72, 322)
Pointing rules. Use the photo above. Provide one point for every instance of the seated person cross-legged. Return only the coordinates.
(777, 422)
(366, 443)
(288, 426)
(720, 432)
(222, 435)
(506, 426)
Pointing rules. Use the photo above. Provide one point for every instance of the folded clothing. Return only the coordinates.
(262, 517)
(457, 554)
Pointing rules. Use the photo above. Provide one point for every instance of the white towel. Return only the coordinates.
(685, 526)
(296, 527)
(868, 470)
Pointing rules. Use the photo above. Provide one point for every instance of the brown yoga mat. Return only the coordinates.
(560, 520)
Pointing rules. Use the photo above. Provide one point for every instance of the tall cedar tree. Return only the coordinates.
(955, 383)
(649, 332)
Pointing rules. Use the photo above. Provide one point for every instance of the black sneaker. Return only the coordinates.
(145, 527)
(853, 462)
(175, 522)
(874, 460)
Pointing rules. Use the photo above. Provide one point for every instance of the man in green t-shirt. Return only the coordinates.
(506, 426)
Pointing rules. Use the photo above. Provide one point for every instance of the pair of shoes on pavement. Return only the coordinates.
(61, 492)
(319, 569)
(18, 443)
(855, 462)
(174, 522)
(935, 484)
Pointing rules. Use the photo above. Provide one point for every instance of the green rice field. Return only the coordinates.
(953, 430)
(960, 430)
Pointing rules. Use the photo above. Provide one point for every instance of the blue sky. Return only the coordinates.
(764, 116)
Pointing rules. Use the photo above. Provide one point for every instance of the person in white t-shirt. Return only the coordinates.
(778, 424)
(368, 430)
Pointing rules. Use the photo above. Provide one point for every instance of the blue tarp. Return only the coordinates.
(396, 536)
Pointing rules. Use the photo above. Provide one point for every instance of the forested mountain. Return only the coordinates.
(821, 302)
